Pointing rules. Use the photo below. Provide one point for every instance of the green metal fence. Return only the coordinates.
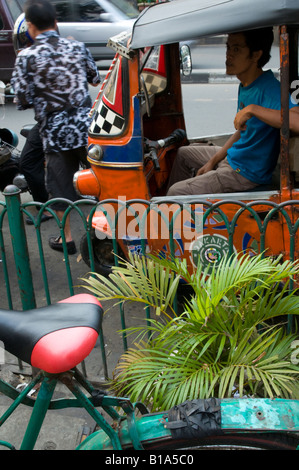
(29, 266)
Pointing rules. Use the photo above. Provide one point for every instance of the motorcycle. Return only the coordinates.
(10, 172)
(9, 158)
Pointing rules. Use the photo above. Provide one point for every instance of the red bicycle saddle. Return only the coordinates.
(55, 338)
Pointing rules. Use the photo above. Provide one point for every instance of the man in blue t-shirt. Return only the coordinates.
(250, 155)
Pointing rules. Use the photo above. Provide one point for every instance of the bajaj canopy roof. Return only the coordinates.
(181, 20)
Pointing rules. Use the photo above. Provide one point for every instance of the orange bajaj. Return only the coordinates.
(138, 124)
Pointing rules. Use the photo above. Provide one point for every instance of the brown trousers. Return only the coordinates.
(223, 179)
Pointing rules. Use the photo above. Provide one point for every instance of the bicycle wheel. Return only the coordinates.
(197, 424)
(193, 425)
(246, 441)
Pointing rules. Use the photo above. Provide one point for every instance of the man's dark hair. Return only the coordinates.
(260, 40)
(40, 13)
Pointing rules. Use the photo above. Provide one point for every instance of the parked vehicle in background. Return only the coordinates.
(94, 22)
(90, 21)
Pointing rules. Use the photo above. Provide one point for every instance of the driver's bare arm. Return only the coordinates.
(272, 117)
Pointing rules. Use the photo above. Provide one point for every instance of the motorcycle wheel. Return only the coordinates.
(102, 251)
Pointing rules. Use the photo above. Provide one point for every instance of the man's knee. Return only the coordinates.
(181, 188)
(171, 191)
(181, 154)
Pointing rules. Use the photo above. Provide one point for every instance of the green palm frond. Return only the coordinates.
(222, 344)
(146, 370)
(138, 280)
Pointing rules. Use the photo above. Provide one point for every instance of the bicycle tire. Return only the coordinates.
(244, 441)
(193, 425)
(197, 424)
(237, 441)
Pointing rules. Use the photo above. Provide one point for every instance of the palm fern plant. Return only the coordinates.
(225, 342)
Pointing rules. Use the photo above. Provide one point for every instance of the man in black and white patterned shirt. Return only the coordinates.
(52, 76)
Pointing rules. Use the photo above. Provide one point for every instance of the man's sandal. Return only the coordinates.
(56, 244)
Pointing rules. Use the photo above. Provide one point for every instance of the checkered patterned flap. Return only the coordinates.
(154, 83)
(106, 121)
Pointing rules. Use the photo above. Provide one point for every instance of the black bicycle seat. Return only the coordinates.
(54, 338)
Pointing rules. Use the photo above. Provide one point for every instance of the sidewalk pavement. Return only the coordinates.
(214, 76)
(209, 76)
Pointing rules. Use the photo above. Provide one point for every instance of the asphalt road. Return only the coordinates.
(209, 109)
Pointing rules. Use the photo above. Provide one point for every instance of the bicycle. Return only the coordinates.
(55, 339)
